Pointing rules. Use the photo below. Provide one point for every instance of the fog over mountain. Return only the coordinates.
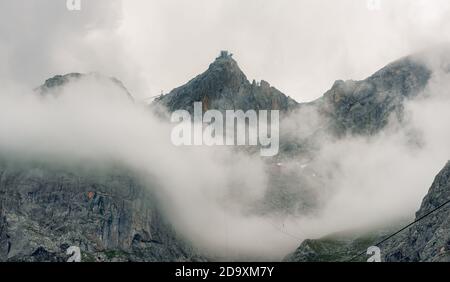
(220, 204)
(360, 154)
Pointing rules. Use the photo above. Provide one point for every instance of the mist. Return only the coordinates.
(208, 193)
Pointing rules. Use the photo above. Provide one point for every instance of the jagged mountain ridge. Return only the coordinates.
(357, 107)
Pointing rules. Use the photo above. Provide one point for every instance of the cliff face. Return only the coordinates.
(429, 239)
(106, 212)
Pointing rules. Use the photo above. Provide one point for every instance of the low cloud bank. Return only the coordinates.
(209, 193)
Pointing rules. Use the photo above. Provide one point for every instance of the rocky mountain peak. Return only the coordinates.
(438, 193)
(365, 106)
(224, 86)
(226, 69)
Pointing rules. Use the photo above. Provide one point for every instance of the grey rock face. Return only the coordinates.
(107, 213)
(429, 239)
(225, 87)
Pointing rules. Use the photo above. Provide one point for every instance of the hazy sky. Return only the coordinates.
(299, 46)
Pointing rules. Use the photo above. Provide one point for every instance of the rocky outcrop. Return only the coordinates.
(365, 107)
(106, 212)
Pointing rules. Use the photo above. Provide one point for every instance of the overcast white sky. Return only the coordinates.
(299, 46)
